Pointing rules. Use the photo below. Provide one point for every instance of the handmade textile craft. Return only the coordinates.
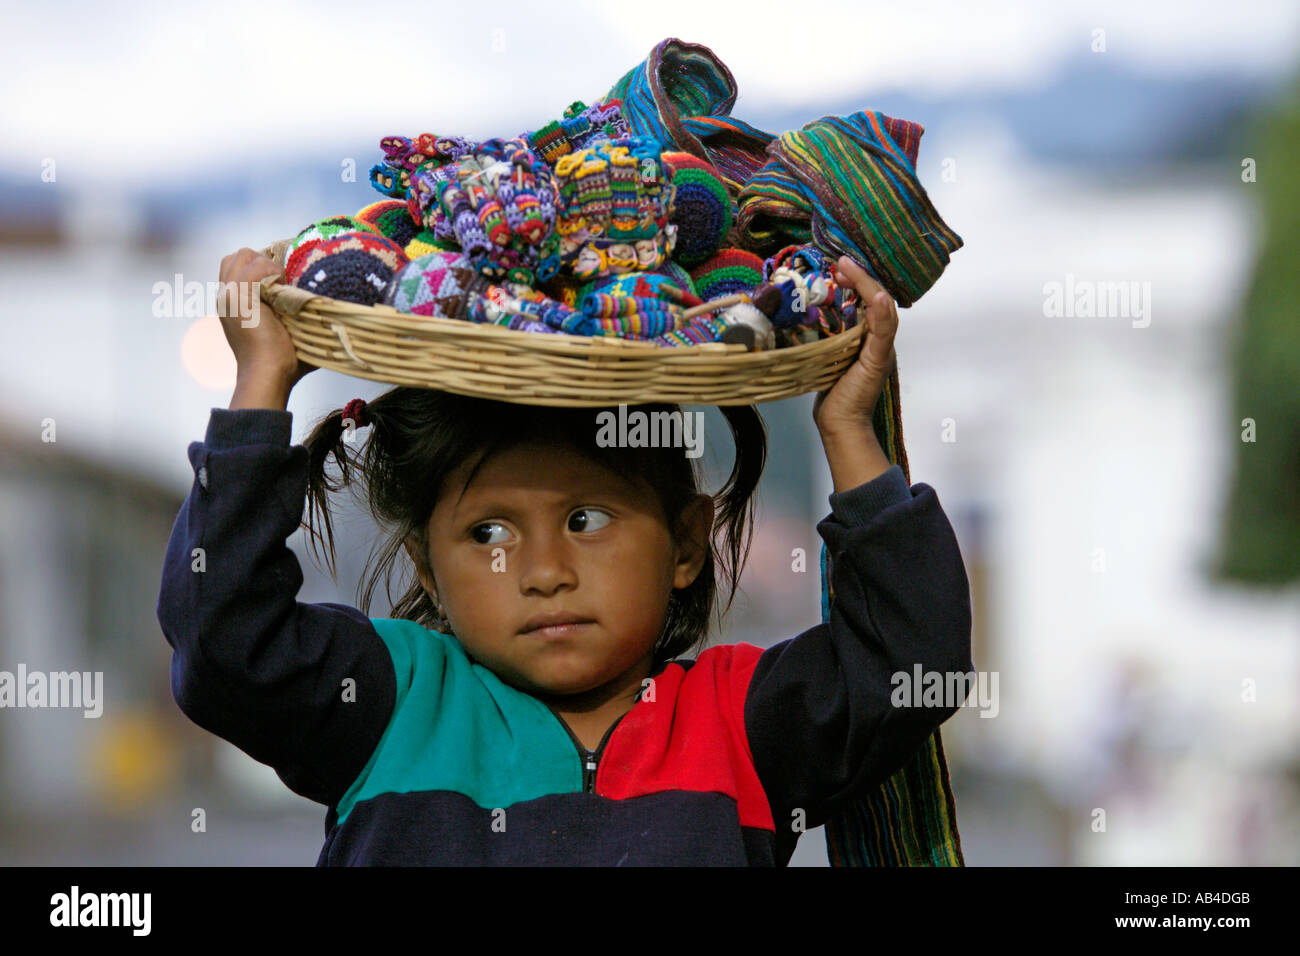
(612, 208)
(353, 266)
(851, 179)
(497, 201)
(391, 218)
(313, 236)
(656, 179)
(701, 208)
(726, 273)
(402, 157)
(581, 124)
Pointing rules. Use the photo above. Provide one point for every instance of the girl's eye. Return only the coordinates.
(477, 532)
(589, 519)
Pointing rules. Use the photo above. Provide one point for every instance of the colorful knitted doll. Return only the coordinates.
(580, 126)
(402, 157)
(497, 200)
(612, 208)
(801, 297)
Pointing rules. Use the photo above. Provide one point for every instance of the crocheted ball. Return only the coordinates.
(425, 242)
(701, 208)
(353, 267)
(438, 284)
(315, 235)
(730, 270)
(390, 217)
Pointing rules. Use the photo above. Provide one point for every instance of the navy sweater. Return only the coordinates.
(423, 756)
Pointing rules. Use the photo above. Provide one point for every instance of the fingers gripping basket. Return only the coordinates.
(488, 361)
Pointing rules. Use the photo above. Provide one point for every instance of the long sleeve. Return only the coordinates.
(818, 712)
(251, 663)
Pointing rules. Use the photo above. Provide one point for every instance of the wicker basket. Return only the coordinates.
(489, 361)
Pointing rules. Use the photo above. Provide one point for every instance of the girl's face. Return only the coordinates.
(541, 530)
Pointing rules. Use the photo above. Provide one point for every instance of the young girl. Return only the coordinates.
(531, 701)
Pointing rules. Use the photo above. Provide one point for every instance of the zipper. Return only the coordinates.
(591, 758)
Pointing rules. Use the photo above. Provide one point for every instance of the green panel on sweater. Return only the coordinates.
(457, 726)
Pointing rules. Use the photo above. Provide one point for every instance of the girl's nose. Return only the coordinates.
(546, 565)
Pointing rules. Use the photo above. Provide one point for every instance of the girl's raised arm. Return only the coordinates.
(821, 711)
(305, 688)
(823, 715)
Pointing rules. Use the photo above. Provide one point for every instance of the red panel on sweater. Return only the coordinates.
(691, 736)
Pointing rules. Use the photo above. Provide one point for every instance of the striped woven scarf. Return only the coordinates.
(911, 818)
(849, 185)
(846, 183)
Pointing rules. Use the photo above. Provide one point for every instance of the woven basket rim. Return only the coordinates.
(492, 361)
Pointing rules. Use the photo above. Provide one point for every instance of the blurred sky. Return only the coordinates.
(157, 91)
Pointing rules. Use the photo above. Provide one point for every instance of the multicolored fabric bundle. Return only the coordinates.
(847, 184)
(911, 818)
(857, 188)
(612, 208)
(638, 305)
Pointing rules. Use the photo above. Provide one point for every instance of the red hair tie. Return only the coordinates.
(356, 410)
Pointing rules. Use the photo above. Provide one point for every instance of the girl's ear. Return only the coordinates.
(421, 563)
(694, 537)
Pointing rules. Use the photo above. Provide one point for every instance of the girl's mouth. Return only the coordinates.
(555, 624)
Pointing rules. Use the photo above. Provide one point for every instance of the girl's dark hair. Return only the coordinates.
(419, 437)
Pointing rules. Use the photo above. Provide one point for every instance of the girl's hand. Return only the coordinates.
(262, 347)
(846, 408)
